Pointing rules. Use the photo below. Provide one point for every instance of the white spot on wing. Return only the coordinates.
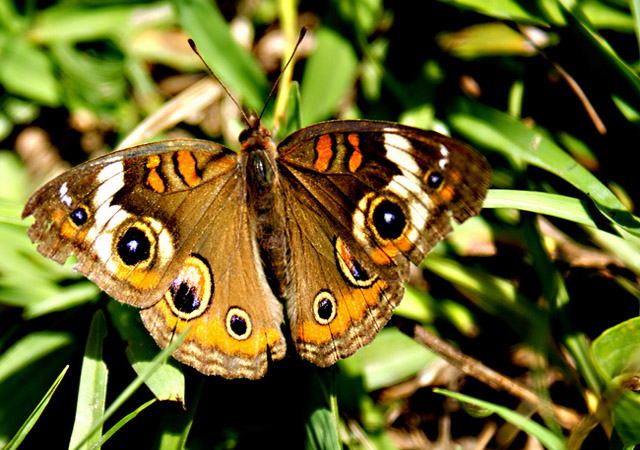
(398, 148)
(445, 157)
(64, 197)
(111, 217)
(111, 179)
(107, 216)
(359, 221)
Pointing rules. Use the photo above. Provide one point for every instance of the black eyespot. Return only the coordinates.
(325, 309)
(238, 325)
(134, 246)
(185, 297)
(434, 180)
(389, 220)
(79, 216)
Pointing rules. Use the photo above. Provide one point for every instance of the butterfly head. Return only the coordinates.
(255, 136)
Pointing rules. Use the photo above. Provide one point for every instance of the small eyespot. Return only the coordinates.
(434, 180)
(388, 219)
(238, 323)
(134, 246)
(324, 308)
(79, 216)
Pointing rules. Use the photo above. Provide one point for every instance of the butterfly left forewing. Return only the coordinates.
(119, 214)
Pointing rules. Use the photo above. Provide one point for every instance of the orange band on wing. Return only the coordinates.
(208, 332)
(385, 254)
(154, 180)
(139, 278)
(324, 153)
(355, 160)
(351, 308)
(447, 192)
(187, 168)
(70, 231)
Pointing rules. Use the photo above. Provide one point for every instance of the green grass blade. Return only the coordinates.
(491, 293)
(322, 424)
(122, 422)
(35, 415)
(234, 65)
(501, 9)
(393, 357)
(27, 71)
(615, 72)
(555, 205)
(548, 439)
(93, 386)
(135, 384)
(497, 130)
(75, 22)
(29, 350)
(74, 295)
(568, 208)
(167, 382)
(635, 11)
(175, 426)
(26, 368)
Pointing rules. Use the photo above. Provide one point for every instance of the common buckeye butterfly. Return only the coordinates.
(326, 223)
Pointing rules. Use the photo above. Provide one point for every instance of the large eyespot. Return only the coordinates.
(388, 218)
(325, 308)
(190, 293)
(350, 269)
(140, 242)
(238, 323)
(135, 245)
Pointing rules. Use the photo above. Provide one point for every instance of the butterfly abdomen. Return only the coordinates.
(267, 212)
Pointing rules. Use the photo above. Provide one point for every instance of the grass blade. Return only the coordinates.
(35, 415)
(548, 439)
(135, 384)
(93, 386)
(498, 130)
(122, 422)
(235, 66)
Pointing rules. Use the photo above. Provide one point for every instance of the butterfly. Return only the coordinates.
(317, 231)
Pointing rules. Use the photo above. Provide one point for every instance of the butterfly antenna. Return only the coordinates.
(303, 31)
(244, 115)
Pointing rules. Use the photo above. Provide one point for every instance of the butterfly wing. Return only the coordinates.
(148, 226)
(368, 197)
